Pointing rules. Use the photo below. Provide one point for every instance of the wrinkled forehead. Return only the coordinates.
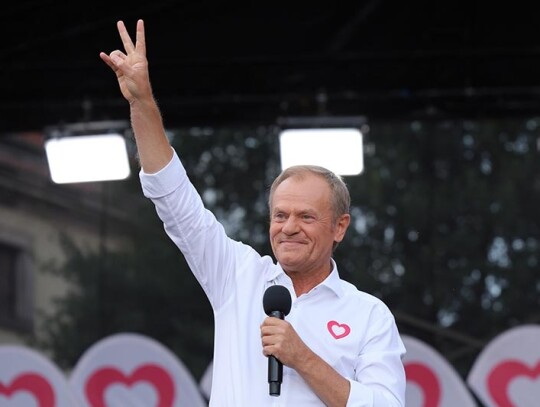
(307, 189)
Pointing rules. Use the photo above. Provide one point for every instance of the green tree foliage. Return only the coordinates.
(445, 229)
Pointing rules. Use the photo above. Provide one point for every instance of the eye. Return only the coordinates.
(279, 216)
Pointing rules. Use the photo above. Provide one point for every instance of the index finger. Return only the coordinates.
(124, 36)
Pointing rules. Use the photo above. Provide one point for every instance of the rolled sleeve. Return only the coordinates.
(165, 181)
(364, 396)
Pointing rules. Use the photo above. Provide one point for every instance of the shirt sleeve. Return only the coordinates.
(210, 254)
(380, 374)
(163, 182)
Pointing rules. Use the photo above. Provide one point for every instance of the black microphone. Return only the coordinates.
(276, 303)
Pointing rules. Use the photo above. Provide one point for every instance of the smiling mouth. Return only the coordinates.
(291, 243)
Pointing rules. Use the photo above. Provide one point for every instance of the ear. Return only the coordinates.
(341, 227)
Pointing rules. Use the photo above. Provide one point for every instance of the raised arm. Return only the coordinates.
(131, 69)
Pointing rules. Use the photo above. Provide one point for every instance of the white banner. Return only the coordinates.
(431, 380)
(29, 379)
(507, 371)
(131, 370)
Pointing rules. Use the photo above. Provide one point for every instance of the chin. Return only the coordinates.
(288, 264)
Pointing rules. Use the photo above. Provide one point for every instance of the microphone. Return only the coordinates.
(276, 303)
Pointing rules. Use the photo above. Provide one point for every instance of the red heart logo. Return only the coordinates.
(157, 376)
(338, 330)
(32, 383)
(501, 376)
(424, 377)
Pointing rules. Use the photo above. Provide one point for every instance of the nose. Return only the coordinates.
(290, 227)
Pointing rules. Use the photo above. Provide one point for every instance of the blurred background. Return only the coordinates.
(445, 214)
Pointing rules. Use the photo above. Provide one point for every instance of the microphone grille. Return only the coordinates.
(277, 298)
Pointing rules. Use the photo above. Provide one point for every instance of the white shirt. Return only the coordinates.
(351, 330)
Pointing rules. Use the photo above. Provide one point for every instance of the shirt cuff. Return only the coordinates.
(359, 395)
(363, 396)
(163, 182)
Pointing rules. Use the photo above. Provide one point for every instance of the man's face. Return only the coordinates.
(302, 228)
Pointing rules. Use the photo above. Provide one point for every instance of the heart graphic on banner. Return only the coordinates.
(501, 376)
(32, 383)
(427, 380)
(338, 330)
(153, 374)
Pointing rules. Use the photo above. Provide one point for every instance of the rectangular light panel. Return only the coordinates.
(338, 149)
(99, 157)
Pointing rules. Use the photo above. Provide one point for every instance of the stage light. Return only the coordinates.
(76, 157)
(339, 149)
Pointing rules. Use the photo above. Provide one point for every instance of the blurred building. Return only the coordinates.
(34, 214)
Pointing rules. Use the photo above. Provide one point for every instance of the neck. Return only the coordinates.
(305, 282)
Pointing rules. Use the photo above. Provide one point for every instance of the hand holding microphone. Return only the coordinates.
(276, 303)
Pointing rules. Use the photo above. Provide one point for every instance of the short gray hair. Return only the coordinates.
(340, 199)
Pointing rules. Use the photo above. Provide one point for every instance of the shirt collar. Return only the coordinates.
(333, 282)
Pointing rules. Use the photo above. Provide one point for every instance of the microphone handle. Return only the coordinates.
(275, 367)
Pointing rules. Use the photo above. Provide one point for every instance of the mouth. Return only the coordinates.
(291, 243)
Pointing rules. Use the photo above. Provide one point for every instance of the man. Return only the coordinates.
(339, 346)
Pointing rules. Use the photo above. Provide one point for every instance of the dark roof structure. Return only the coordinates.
(214, 61)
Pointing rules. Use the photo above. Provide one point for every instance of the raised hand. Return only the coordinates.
(131, 66)
(131, 69)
